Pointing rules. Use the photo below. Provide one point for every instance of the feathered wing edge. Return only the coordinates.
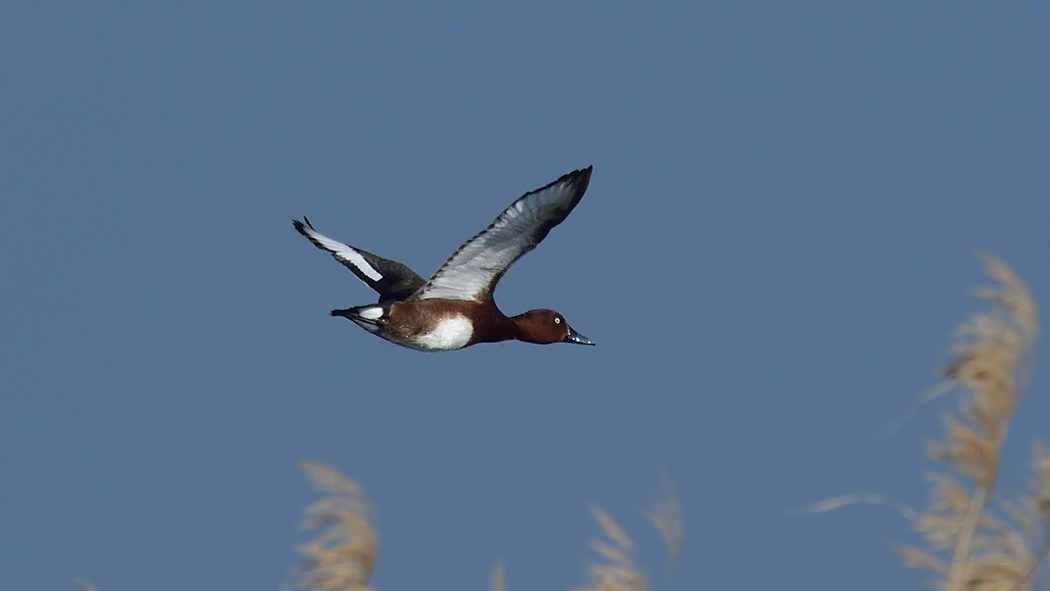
(474, 269)
(390, 279)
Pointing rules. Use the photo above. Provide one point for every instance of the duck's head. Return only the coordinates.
(547, 326)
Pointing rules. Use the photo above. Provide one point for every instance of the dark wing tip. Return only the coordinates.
(301, 226)
(578, 180)
(577, 177)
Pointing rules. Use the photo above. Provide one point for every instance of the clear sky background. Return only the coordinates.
(773, 253)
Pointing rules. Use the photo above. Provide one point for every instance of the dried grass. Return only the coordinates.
(665, 515)
(343, 557)
(859, 498)
(618, 572)
(973, 546)
(1040, 499)
(498, 578)
(973, 543)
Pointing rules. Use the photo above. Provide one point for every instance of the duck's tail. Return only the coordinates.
(371, 317)
(347, 313)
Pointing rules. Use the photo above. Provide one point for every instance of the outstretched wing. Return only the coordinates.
(471, 273)
(393, 280)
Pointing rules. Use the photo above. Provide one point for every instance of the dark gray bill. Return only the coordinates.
(575, 337)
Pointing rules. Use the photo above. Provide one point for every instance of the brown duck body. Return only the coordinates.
(444, 325)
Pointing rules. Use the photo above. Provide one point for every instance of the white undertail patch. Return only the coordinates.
(371, 313)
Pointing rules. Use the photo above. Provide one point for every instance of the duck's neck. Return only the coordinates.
(493, 326)
(528, 331)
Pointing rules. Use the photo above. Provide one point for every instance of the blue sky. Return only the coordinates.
(773, 253)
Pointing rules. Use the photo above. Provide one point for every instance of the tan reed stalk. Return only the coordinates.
(498, 578)
(1035, 512)
(618, 572)
(1041, 484)
(973, 548)
(343, 557)
(85, 585)
(665, 514)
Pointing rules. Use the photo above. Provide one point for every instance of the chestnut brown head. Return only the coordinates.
(547, 326)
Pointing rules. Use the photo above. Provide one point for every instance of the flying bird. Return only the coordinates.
(454, 308)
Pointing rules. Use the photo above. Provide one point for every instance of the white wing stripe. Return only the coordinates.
(359, 261)
(345, 253)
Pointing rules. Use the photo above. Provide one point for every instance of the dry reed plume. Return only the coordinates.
(499, 576)
(343, 557)
(666, 516)
(972, 546)
(975, 544)
(618, 572)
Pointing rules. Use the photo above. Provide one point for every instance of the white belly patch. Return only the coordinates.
(449, 334)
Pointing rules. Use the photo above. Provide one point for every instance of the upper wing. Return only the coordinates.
(391, 279)
(471, 273)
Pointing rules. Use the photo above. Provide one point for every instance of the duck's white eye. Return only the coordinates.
(557, 320)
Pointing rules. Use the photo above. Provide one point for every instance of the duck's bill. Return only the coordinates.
(579, 339)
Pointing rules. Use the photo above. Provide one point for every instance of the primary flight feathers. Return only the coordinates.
(474, 269)
(471, 273)
(393, 280)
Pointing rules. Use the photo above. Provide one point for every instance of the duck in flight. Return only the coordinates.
(454, 308)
